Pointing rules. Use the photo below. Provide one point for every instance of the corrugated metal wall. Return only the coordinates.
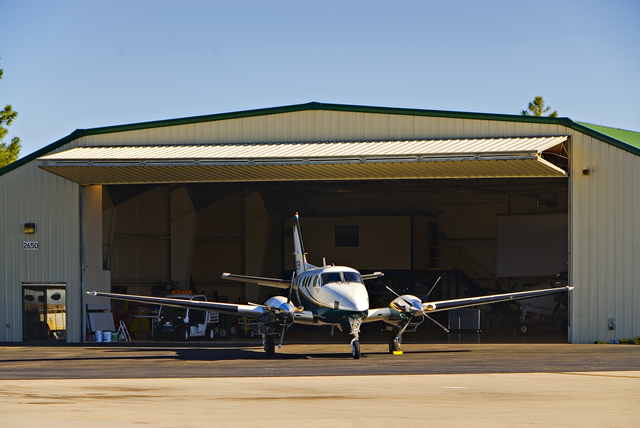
(318, 125)
(605, 258)
(30, 195)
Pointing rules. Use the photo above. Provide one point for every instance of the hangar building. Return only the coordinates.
(488, 202)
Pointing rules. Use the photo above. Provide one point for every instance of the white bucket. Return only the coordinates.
(98, 334)
(106, 336)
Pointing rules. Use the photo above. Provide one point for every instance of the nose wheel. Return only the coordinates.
(355, 349)
(355, 324)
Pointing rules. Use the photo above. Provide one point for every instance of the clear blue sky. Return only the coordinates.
(86, 64)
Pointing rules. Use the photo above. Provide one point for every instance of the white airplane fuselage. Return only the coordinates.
(331, 295)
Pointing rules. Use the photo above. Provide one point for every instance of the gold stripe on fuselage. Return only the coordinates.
(313, 300)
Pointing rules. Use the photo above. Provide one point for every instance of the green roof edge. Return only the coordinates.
(78, 133)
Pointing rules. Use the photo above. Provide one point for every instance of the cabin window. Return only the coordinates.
(347, 236)
(352, 277)
(315, 281)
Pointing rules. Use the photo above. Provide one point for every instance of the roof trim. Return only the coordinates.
(563, 121)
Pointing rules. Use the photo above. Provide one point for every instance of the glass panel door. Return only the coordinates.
(56, 313)
(45, 315)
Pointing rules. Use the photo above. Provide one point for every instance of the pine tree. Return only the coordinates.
(537, 108)
(8, 152)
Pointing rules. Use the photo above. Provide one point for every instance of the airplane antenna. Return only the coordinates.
(434, 286)
(324, 262)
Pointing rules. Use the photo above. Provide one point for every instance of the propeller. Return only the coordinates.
(414, 311)
(284, 323)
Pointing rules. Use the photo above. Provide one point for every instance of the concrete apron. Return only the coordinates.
(496, 400)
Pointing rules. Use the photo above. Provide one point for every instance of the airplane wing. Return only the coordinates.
(445, 305)
(269, 282)
(224, 308)
(382, 314)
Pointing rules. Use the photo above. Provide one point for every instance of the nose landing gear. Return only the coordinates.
(355, 324)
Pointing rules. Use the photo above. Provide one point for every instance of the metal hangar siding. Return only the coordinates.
(603, 174)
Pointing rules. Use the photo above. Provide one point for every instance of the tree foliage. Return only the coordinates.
(537, 108)
(11, 151)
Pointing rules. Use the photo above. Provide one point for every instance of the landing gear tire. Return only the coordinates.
(355, 349)
(185, 334)
(523, 329)
(394, 346)
(210, 333)
(270, 346)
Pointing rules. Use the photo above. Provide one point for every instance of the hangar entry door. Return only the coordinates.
(44, 315)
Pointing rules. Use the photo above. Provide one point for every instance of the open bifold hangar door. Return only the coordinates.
(309, 161)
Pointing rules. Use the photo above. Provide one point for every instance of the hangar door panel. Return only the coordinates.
(532, 245)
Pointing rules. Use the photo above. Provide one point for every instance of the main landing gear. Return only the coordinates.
(269, 344)
(394, 344)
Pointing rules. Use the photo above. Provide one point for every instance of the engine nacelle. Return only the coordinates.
(412, 305)
(407, 303)
(281, 306)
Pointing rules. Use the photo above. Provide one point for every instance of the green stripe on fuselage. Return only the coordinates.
(329, 315)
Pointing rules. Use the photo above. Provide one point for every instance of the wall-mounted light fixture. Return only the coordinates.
(29, 228)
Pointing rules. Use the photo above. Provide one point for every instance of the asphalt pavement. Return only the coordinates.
(319, 385)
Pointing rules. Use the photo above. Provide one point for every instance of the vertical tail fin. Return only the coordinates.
(298, 248)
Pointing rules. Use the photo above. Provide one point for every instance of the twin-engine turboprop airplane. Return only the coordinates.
(332, 296)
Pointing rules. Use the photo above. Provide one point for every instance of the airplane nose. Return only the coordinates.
(357, 300)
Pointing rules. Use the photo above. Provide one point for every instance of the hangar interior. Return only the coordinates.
(478, 235)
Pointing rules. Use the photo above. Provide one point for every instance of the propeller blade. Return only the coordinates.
(437, 323)
(434, 286)
(293, 276)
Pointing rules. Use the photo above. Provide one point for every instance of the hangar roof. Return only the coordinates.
(629, 137)
(626, 140)
(454, 158)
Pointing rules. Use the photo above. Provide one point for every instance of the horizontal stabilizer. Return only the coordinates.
(269, 282)
(372, 275)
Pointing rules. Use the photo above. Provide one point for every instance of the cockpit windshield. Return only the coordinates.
(341, 277)
(331, 277)
(352, 277)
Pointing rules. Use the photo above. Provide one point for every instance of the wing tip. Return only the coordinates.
(92, 293)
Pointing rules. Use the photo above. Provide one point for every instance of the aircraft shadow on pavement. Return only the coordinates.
(221, 354)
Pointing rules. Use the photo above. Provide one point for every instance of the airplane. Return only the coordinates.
(332, 296)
